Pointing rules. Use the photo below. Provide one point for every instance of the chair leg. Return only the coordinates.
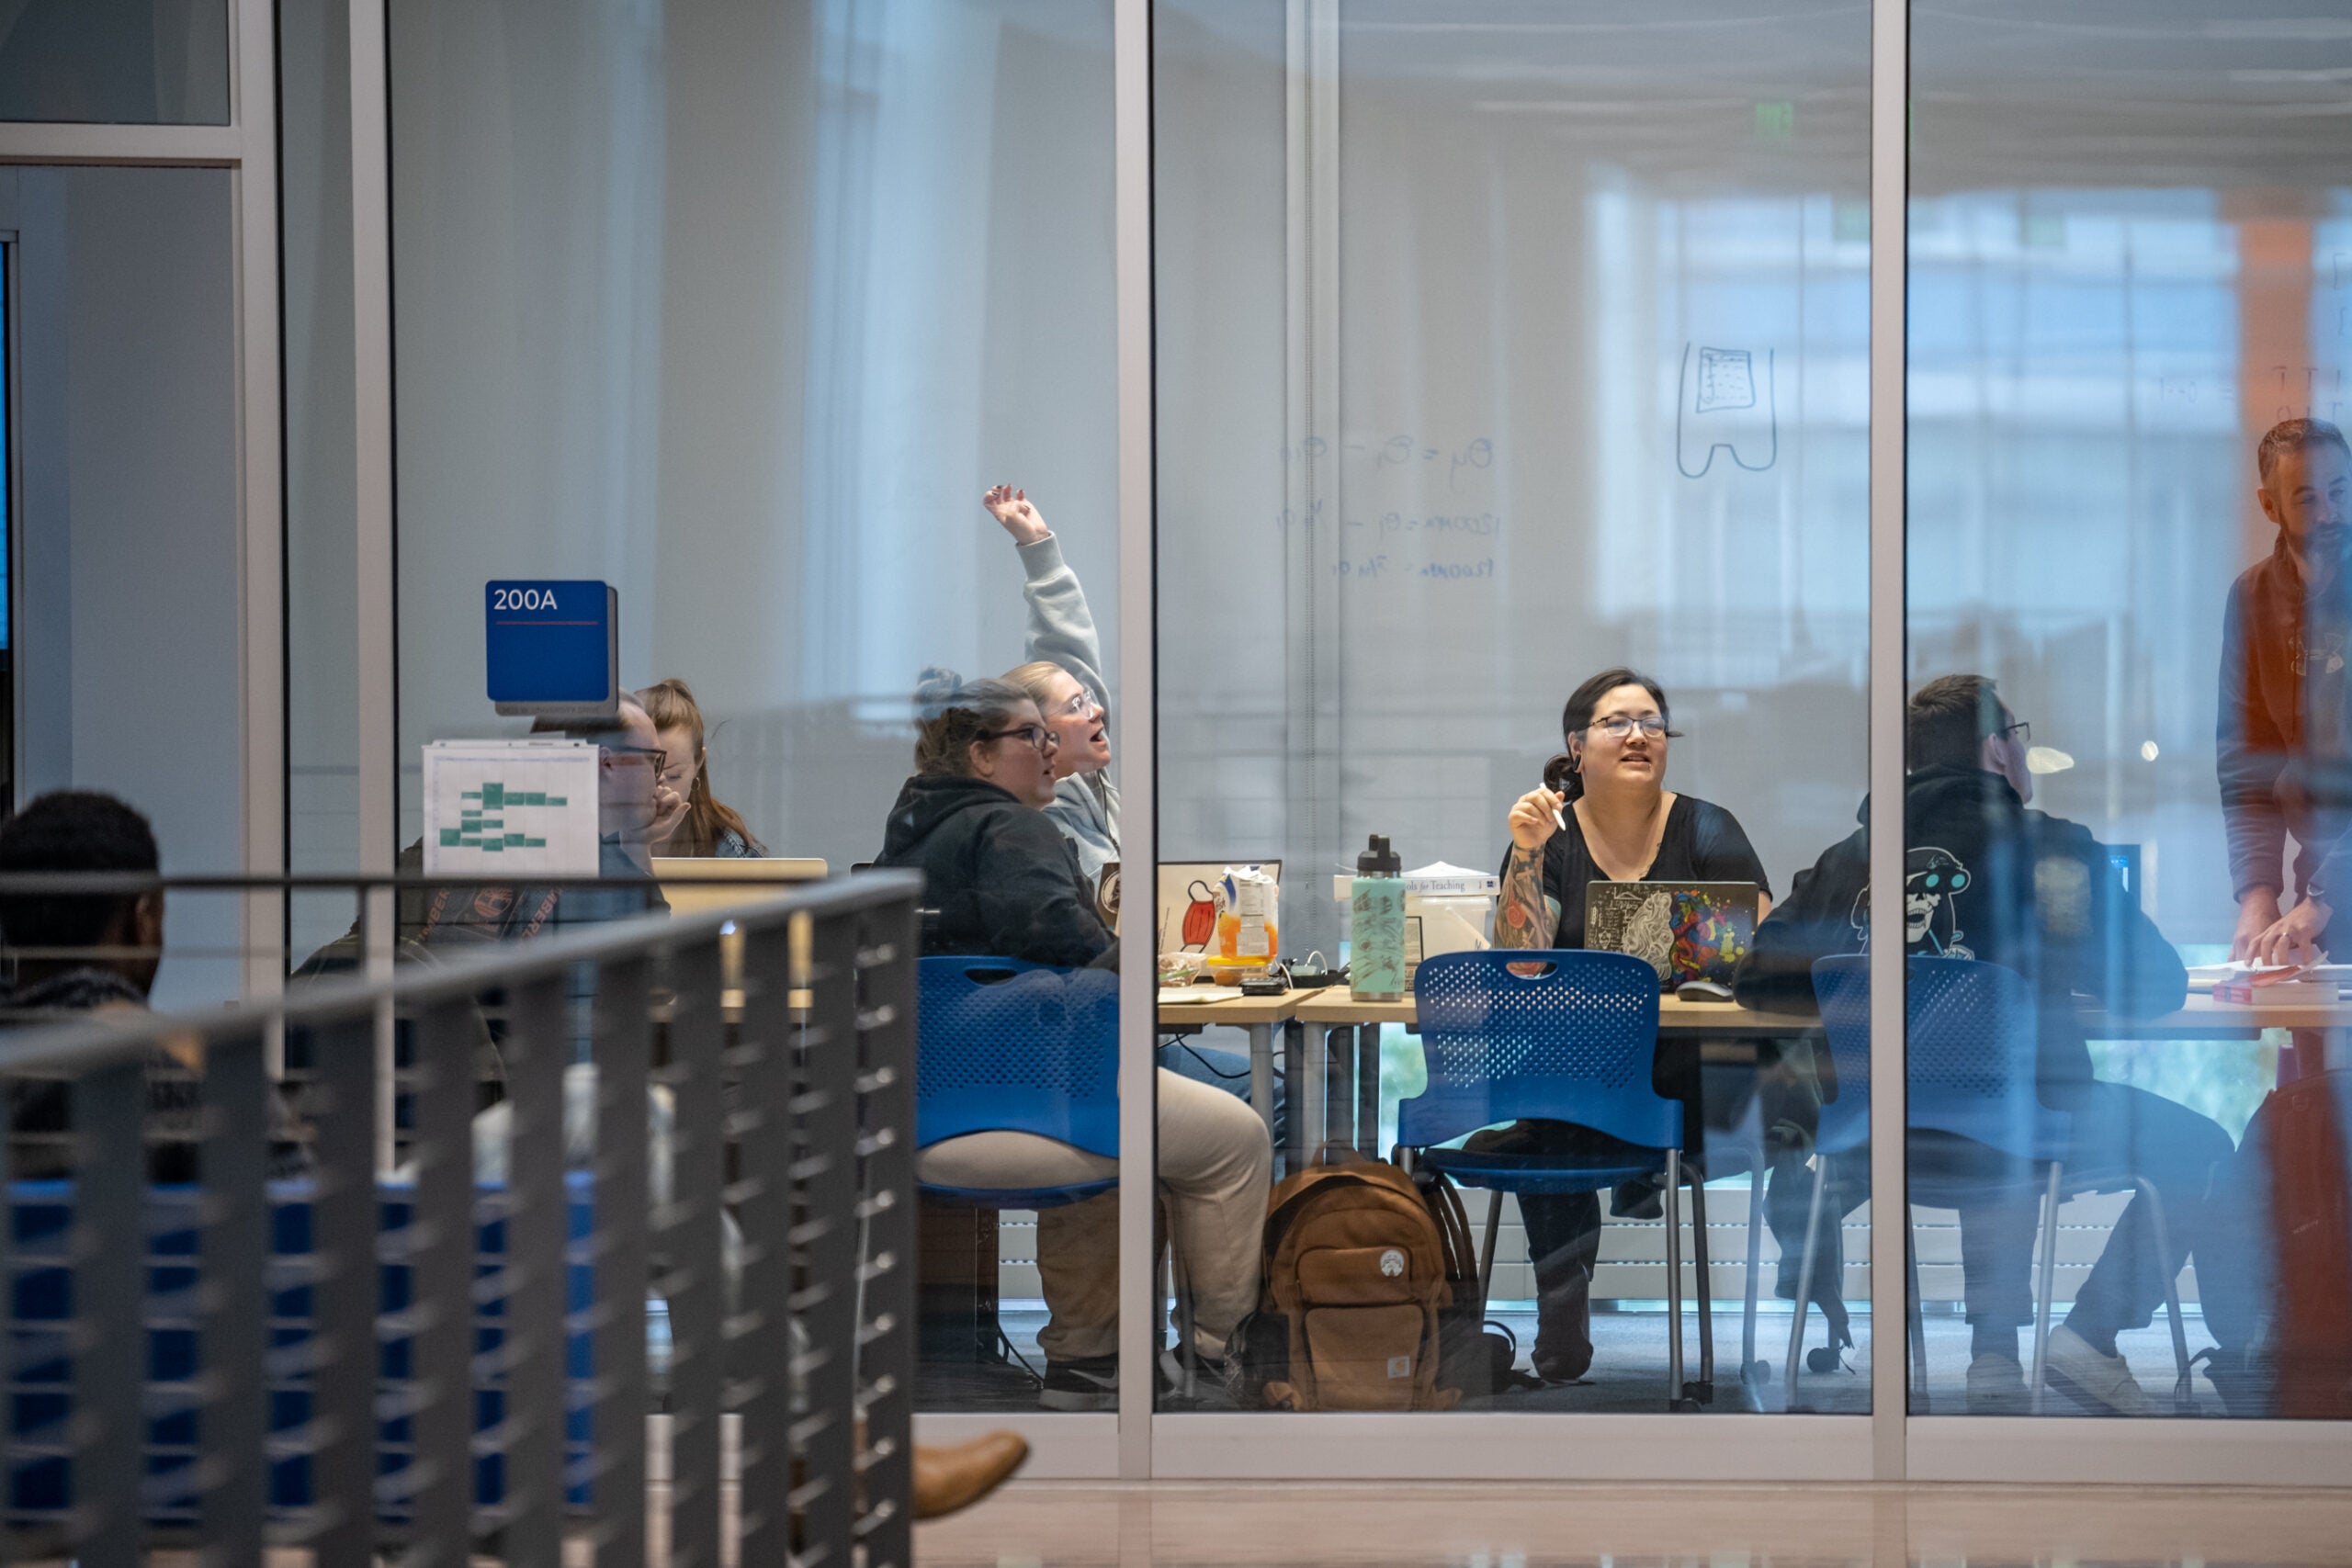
(1706, 1385)
(1914, 1316)
(2048, 1281)
(1805, 1273)
(1754, 1261)
(2184, 1391)
(1486, 1252)
(1674, 1399)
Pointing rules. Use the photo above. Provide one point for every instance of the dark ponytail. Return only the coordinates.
(1562, 774)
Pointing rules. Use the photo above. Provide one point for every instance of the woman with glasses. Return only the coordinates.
(1006, 883)
(1604, 813)
(1063, 676)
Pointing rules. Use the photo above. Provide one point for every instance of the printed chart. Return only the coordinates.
(509, 807)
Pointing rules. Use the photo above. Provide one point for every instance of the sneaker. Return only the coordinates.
(1996, 1386)
(1090, 1383)
(2101, 1384)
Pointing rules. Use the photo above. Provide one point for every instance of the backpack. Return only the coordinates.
(1355, 1273)
(2275, 1270)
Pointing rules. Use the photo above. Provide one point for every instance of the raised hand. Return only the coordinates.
(1012, 508)
(1535, 817)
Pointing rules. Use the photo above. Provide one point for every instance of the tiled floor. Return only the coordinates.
(1628, 1375)
(1209, 1525)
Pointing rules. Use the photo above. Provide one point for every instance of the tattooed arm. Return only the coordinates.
(1525, 918)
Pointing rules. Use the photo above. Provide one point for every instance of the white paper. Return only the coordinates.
(510, 808)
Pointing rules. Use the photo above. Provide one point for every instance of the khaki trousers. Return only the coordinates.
(1214, 1166)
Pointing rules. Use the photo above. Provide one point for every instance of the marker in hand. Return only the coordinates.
(1557, 820)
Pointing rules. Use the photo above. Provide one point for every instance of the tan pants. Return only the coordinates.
(1214, 1165)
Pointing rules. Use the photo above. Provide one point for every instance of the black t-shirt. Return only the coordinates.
(1703, 842)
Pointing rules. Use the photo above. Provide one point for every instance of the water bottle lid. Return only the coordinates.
(1379, 859)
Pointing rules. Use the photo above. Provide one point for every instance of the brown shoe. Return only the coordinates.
(947, 1479)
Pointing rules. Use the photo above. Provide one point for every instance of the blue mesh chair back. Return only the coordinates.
(1970, 1050)
(1574, 1042)
(1007, 1046)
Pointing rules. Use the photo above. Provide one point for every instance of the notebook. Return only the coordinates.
(1686, 930)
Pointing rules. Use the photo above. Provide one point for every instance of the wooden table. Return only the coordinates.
(1255, 1015)
(1350, 1077)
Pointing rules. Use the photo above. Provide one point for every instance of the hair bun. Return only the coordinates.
(1559, 772)
(936, 690)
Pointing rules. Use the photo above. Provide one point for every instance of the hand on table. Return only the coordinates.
(2292, 938)
(1012, 508)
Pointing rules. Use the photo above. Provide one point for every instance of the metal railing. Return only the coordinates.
(419, 1364)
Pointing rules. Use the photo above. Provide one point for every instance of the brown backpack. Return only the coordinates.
(1356, 1273)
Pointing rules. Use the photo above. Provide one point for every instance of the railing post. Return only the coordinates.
(442, 1250)
(623, 1049)
(690, 1238)
(345, 1295)
(108, 1254)
(826, 1264)
(760, 1352)
(233, 1257)
(538, 1050)
(887, 1326)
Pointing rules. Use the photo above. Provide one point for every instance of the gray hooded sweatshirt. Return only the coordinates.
(1086, 805)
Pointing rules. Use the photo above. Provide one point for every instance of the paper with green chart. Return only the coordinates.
(509, 807)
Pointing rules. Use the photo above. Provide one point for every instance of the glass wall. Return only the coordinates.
(741, 309)
(129, 546)
(1500, 346)
(2126, 243)
(116, 62)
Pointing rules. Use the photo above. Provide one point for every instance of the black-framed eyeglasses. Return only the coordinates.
(2022, 730)
(654, 754)
(1037, 735)
(1621, 727)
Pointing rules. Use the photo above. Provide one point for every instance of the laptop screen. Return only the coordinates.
(1686, 930)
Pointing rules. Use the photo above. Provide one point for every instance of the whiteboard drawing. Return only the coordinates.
(1723, 401)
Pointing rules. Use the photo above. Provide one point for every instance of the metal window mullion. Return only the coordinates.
(623, 1046)
(538, 1048)
(108, 1326)
(372, 448)
(234, 1162)
(1890, 89)
(441, 1261)
(1131, 170)
(690, 1243)
(261, 425)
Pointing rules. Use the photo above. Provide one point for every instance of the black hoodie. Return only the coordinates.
(1984, 878)
(1001, 875)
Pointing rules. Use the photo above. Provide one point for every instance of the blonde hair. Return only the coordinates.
(1036, 678)
(670, 705)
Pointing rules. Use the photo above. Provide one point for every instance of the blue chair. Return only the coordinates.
(1976, 1122)
(1574, 1041)
(1004, 1046)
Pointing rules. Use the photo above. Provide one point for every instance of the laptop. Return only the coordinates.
(1686, 930)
